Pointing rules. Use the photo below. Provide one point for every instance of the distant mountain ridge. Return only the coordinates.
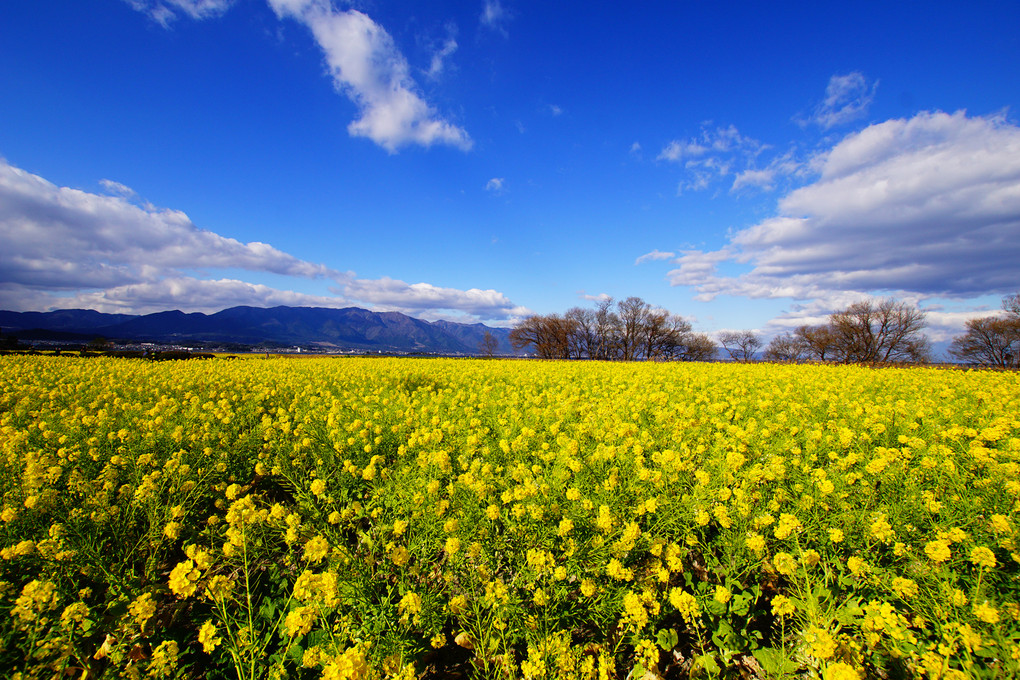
(350, 328)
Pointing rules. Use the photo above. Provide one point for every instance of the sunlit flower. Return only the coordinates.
(982, 557)
(938, 550)
(207, 637)
(316, 549)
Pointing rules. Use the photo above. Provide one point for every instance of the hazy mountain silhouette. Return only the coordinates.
(349, 328)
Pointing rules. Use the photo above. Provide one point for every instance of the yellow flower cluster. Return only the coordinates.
(373, 504)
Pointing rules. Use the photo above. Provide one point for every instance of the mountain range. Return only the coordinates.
(348, 329)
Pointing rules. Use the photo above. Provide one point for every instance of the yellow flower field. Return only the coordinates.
(376, 518)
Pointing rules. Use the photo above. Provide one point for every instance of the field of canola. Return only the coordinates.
(377, 518)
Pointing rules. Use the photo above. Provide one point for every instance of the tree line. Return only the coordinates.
(627, 331)
(867, 332)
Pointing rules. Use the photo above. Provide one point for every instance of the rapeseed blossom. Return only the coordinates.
(373, 506)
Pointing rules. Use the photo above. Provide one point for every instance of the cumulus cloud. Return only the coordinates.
(928, 206)
(847, 99)
(63, 238)
(165, 11)
(495, 184)
(67, 248)
(367, 67)
(192, 295)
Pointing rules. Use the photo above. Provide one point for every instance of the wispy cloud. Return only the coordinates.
(494, 15)
(116, 188)
(495, 184)
(367, 66)
(716, 153)
(847, 99)
(437, 65)
(654, 255)
(165, 11)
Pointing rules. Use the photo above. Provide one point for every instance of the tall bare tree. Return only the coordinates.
(633, 313)
(488, 344)
(548, 336)
(786, 347)
(819, 341)
(695, 347)
(740, 345)
(607, 330)
(583, 339)
(880, 332)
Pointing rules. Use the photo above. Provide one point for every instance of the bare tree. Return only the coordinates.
(1011, 305)
(880, 332)
(488, 344)
(633, 314)
(607, 331)
(992, 340)
(583, 339)
(819, 341)
(665, 335)
(695, 347)
(740, 345)
(549, 336)
(786, 347)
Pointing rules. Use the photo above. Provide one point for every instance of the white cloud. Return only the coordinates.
(494, 16)
(927, 206)
(439, 58)
(654, 255)
(753, 178)
(495, 184)
(116, 188)
(367, 66)
(555, 110)
(165, 11)
(847, 98)
(714, 154)
(66, 248)
(193, 295)
(63, 238)
(414, 298)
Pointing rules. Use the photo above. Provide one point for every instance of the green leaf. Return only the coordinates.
(723, 635)
(667, 639)
(741, 604)
(715, 607)
(707, 661)
(774, 661)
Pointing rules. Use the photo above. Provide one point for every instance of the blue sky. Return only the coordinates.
(745, 165)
